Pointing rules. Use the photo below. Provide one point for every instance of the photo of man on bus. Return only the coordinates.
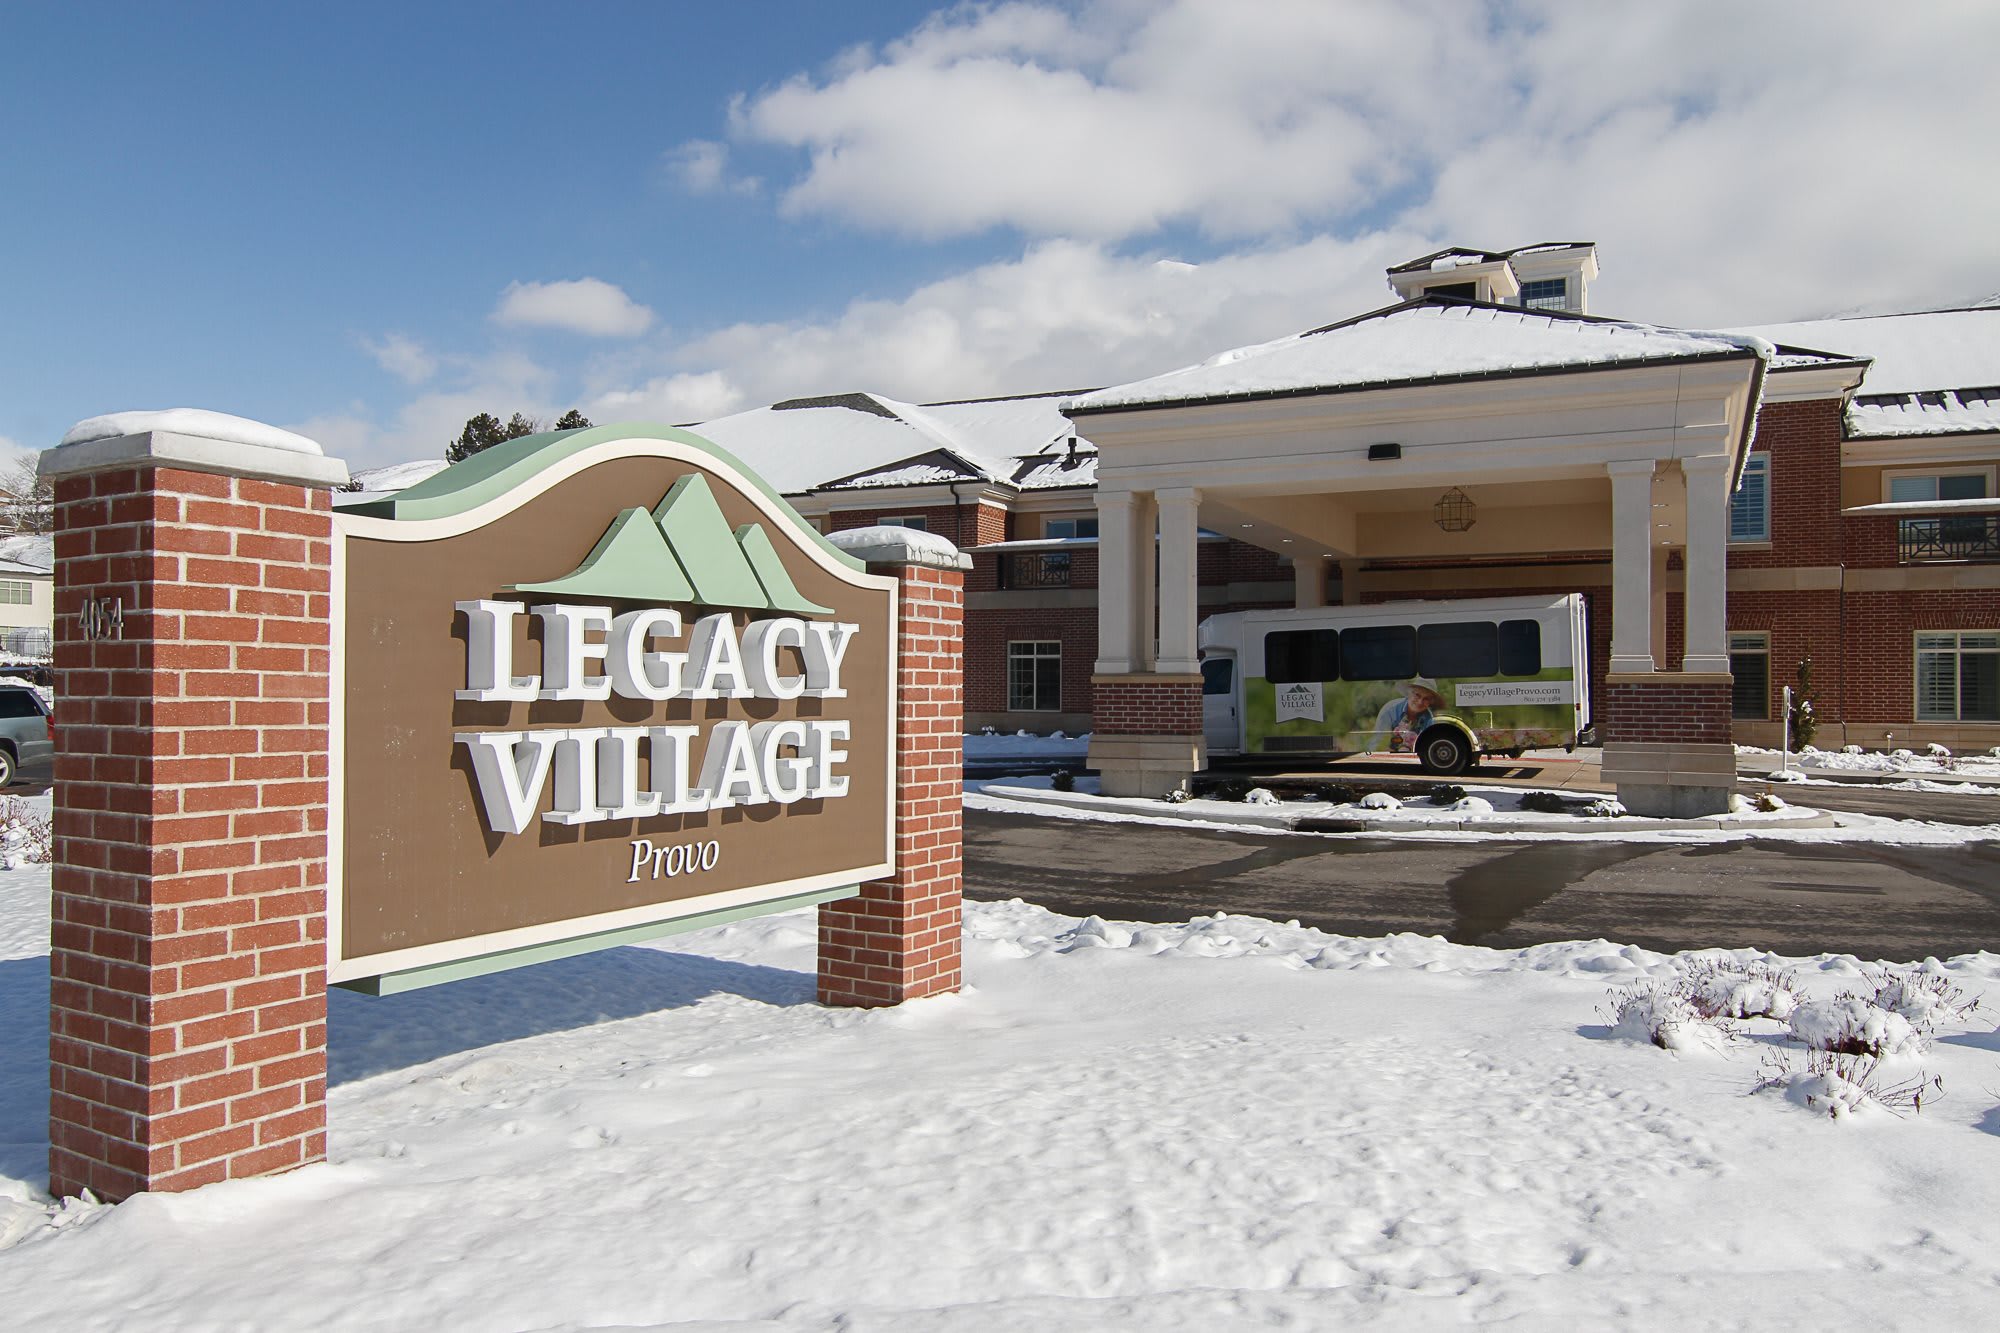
(1402, 720)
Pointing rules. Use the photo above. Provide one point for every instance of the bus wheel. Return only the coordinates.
(1444, 750)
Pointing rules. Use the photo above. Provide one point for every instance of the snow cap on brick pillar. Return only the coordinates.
(899, 938)
(188, 938)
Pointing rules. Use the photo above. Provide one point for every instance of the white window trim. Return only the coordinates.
(1890, 475)
(1012, 644)
(914, 522)
(1079, 516)
(1916, 677)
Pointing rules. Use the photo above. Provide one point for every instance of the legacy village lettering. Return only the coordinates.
(589, 654)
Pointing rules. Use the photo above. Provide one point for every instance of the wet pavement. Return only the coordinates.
(1868, 899)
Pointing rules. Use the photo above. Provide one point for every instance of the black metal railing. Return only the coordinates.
(1035, 569)
(1959, 537)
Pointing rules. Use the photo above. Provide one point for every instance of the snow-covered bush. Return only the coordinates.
(1770, 803)
(1379, 800)
(1472, 805)
(26, 838)
(1902, 754)
(1260, 796)
(1784, 775)
(1837, 1085)
(989, 731)
(1179, 795)
(1924, 999)
(1543, 802)
(1446, 793)
(1607, 808)
(1852, 749)
(1661, 1013)
(1731, 989)
(1937, 751)
(1062, 780)
(1851, 1025)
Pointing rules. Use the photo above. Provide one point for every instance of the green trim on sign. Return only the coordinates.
(416, 978)
(491, 473)
(700, 536)
(770, 571)
(631, 561)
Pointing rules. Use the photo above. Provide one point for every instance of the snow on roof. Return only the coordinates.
(869, 439)
(37, 551)
(395, 477)
(1945, 412)
(1417, 341)
(1050, 472)
(1925, 350)
(17, 567)
(189, 421)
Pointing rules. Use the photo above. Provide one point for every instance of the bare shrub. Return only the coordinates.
(1837, 1084)
(1925, 999)
(26, 837)
(1726, 988)
(1854, 1025)
(1661, 1013)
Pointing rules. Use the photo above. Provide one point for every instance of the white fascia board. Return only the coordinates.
(1897, 450)
(1807, 382)
(917, 497)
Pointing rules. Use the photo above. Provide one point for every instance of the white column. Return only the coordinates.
(1707, 562)
(1308, 582)
(1117, 584)
(1631, 565)
(1180, 507)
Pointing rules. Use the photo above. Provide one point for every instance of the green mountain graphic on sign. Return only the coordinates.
(684, 551)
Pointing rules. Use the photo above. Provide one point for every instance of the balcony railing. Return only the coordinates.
(1035, 569)
(1959, 537)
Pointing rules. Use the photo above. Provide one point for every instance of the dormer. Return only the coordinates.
(1471, 275)
(1554, 275)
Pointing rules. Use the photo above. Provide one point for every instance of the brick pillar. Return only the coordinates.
(187, 1026)
(899, 940)
(1666, 742)
(1146, 732)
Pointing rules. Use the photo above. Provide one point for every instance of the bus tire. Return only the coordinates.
(1444, 750)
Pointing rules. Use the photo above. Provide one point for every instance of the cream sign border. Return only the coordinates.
(346, 526)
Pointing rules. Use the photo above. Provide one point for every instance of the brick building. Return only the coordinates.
(1855, 460)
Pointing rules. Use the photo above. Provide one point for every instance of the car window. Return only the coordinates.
(18, 703)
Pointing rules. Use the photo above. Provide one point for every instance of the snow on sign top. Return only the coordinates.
(193, 421)
(1420, 341)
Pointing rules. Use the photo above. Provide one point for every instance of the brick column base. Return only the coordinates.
(187, 1030)
(1667, 743)
(1146, 733)
(899, 940)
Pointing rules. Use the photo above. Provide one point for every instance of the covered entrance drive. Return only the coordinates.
(1437, 449)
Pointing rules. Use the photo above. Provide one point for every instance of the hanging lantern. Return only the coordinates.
(1455, 511)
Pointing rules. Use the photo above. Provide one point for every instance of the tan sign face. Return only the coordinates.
(625, 689)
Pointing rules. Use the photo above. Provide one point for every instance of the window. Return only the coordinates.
(16, 592)
(1750, 507)
(1379, 652)
(1069, 527)
(1545, 294)
(1750, 663)
(1034, 677)
(1520, 648)
(1944, 536)
(1958, 676)
(1467, 290)
(1308, 655)
(1917, 487)
(914, 522)
(1216, 673)
(1471, 649)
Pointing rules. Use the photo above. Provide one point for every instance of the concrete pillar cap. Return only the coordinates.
(194, 440)
(892, 545)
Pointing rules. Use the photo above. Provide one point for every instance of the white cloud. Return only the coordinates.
(669, 399)
(581, 305)
(701, 166)
(402, 356)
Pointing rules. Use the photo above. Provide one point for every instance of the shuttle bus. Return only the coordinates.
(1447, 681)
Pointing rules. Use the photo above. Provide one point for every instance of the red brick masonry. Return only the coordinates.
(188, 962)
(900, 939)
(1141, 707)
(1680, 712)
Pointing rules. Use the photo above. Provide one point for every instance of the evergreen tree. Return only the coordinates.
(484, 431)
(572, 420)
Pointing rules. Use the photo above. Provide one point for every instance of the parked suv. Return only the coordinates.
(25, 743)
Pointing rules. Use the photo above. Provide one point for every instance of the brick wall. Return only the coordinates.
(1683, 713)
(1803, 442)
(987, 634)
(899, 940)
(1147, 708)
(1799, 623)
(187, 961)
(1881, 644)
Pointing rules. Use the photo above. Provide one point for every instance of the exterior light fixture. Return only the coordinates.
(1377, 452)
(1455, 511)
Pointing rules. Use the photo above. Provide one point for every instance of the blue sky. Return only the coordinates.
(367, 221)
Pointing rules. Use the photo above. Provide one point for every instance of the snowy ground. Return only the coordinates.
(1928, 762)
(982, 748)
(1226, 1123)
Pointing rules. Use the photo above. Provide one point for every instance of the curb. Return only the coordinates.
(1256, 817)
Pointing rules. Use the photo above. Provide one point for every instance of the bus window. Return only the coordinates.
(1520, 647)
(1378, 652)
(1447, 650)
(1215, 673)
(1294, 655)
